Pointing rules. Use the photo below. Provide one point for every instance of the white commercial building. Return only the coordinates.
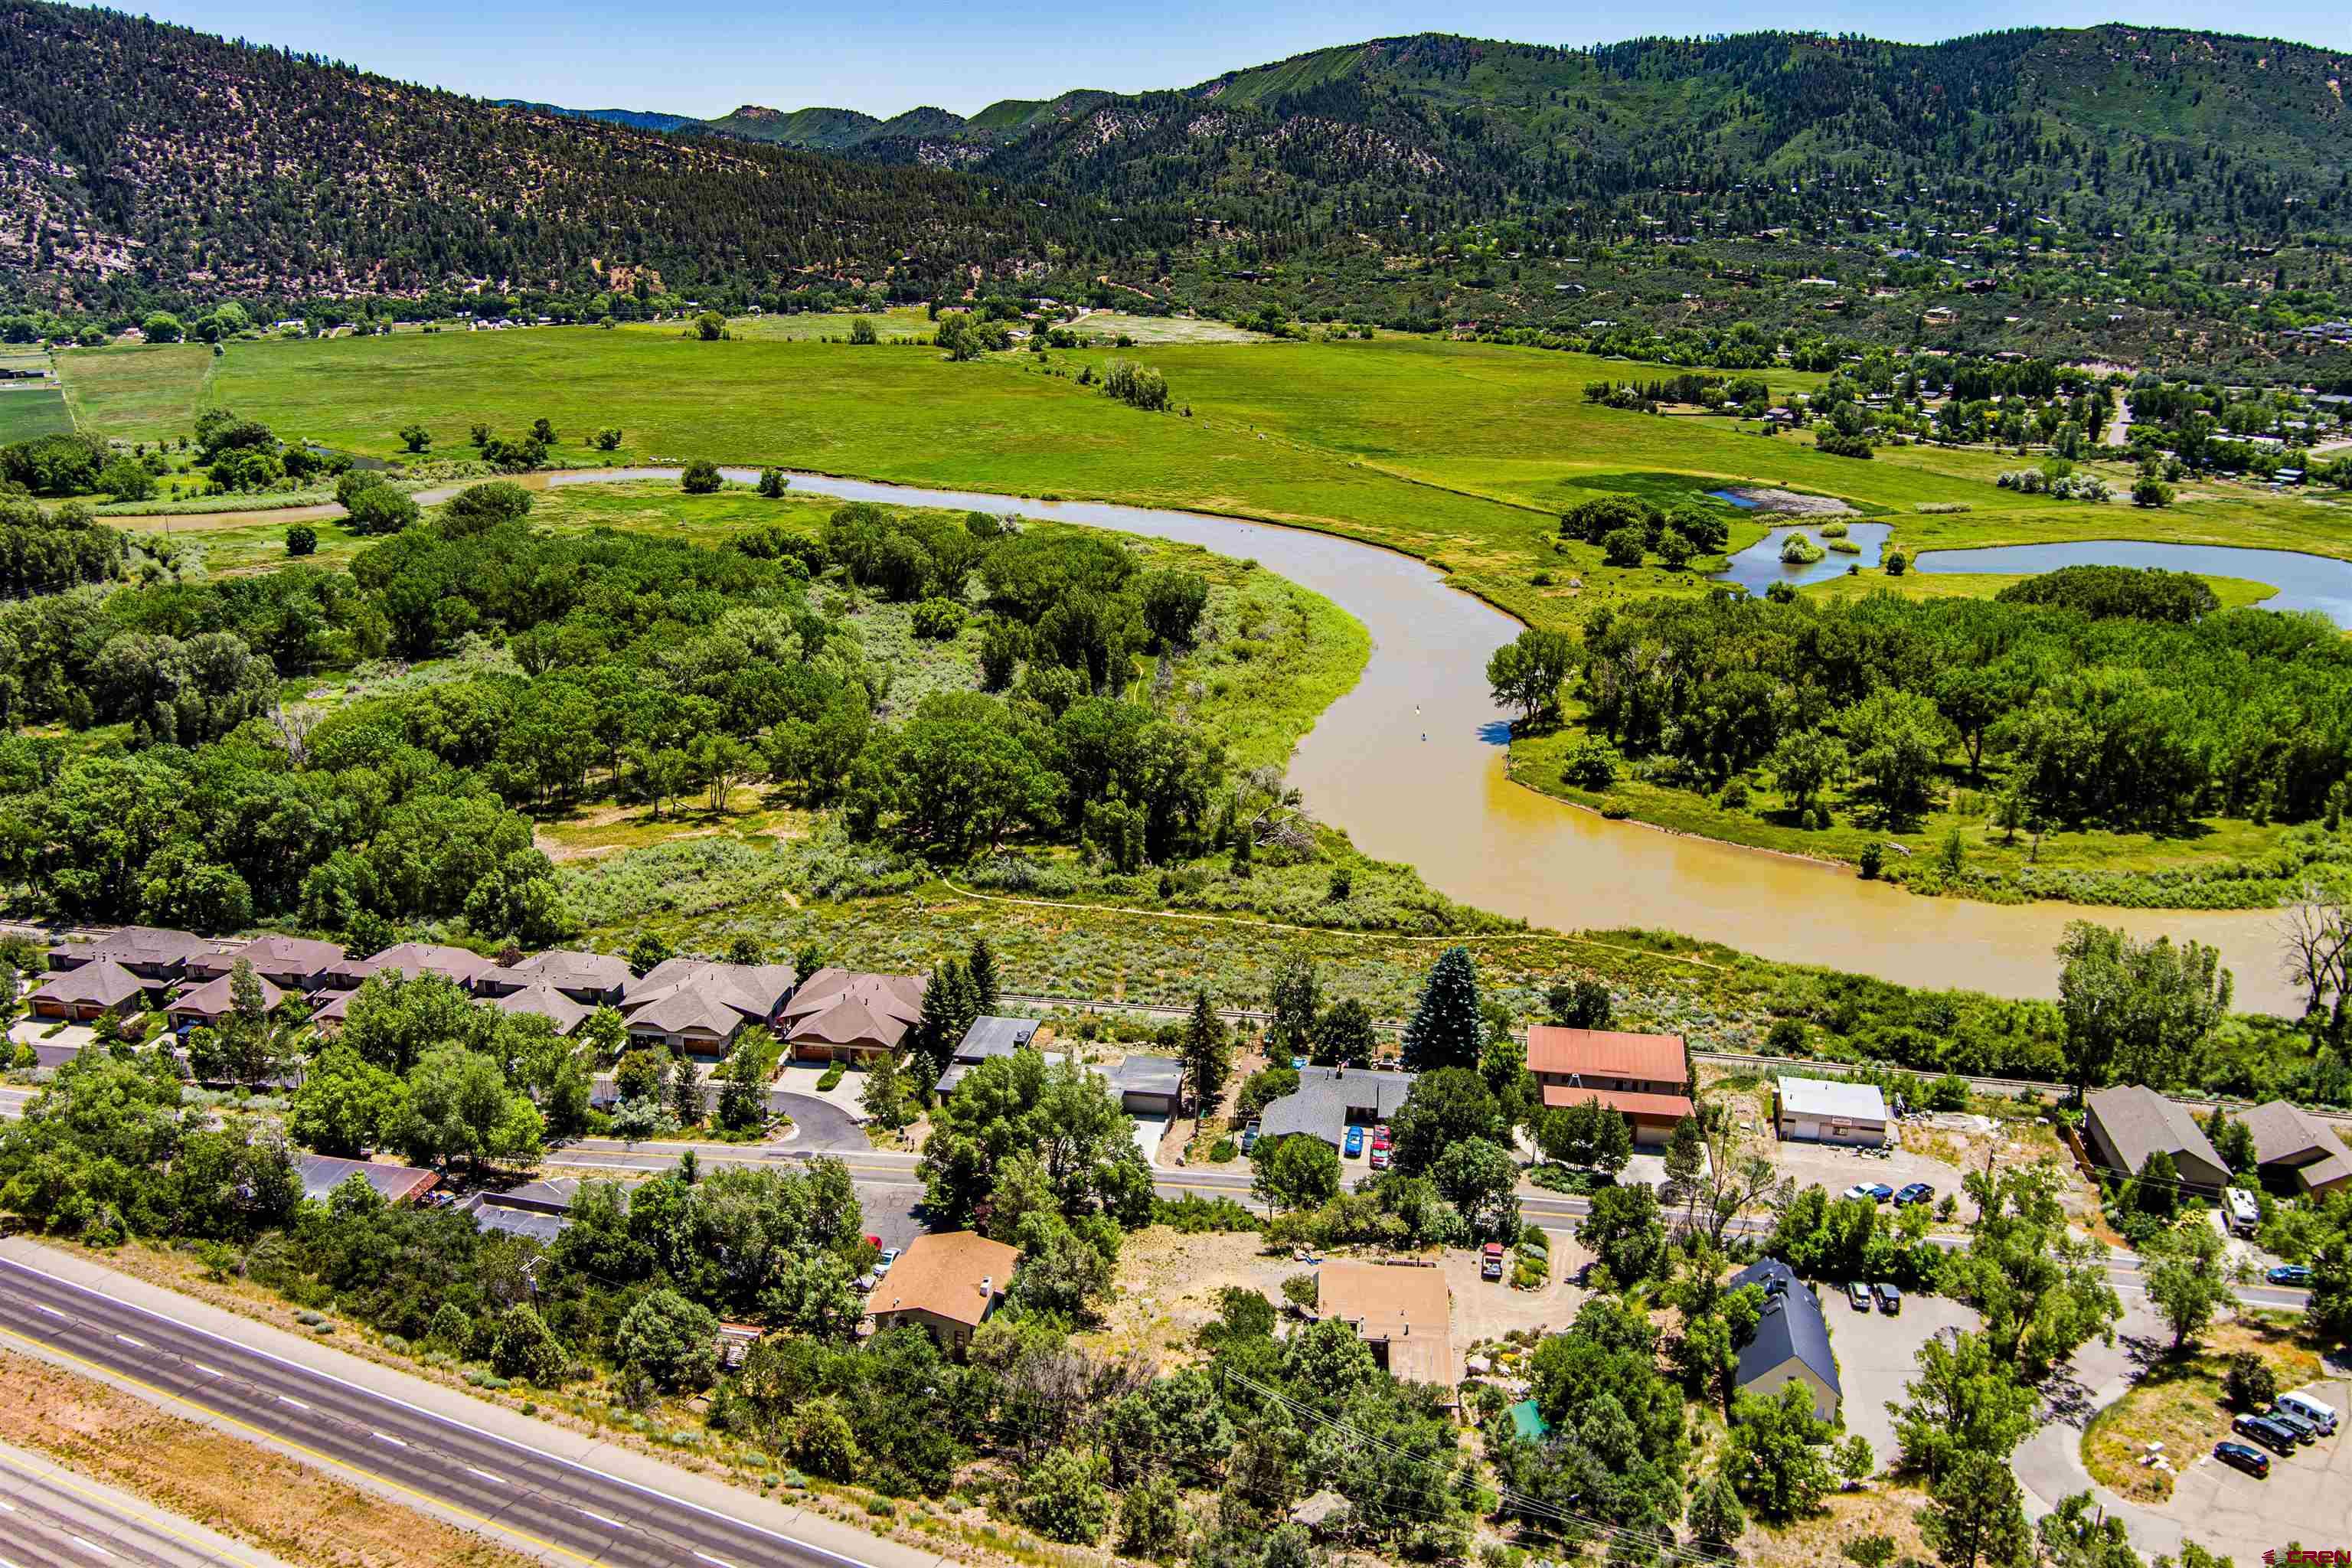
(1826, 1111)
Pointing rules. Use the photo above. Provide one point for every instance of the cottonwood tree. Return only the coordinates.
(1965, 1401)
(1344, 1035)
(2137, 1010)
(1300, 1172)
(1709, 1177)
(2316, 934)
(1527, 674)
(1775, 1455)
(2041, 1289)
(1294, 998)
(2187, 1277)
(1587, 1134)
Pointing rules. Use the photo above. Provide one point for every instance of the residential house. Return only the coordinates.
(1791, 1344)
(1831, 1111)
(322, 1174)
(838, 1015)
(330, 1009)
(945, 1282)
(409, 960)
(84, 992)
(1329, 1100)
(205, 1005)
(2125, 1125)
(590, 979)
(1643, 1077)
(1403, 1310)
(147, 951)
(545, 1001)
(1148, 1085)
(288, 962)
(698, 1005)
(988, 1036)
(2294, 1148)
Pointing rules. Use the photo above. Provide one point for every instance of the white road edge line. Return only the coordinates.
(439, 1419)
(207, 1371)
(290, 1399)
(494, 1480)
(714, 1562)
(92, 1547)
(606, 1520)
(134, 1344)
(387, 1437)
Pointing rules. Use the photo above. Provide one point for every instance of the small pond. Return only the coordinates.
(1760, 566)
(2303, 582)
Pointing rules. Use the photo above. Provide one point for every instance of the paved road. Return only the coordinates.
(52, 1518)
(567, 1508)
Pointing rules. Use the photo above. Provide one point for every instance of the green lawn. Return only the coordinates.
(28, 412)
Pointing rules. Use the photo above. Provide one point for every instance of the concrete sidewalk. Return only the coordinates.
(592, 1452)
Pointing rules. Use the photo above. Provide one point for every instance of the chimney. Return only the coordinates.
(987, 1286)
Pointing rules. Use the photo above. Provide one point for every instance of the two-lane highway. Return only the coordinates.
(560, 1508)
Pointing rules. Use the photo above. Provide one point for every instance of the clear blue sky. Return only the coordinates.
(705, 56)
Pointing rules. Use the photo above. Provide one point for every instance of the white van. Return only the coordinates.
(2311, 1410)
(2245, 1215)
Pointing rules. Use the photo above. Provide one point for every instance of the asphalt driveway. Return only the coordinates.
(817, 1125)
(1878, 1354)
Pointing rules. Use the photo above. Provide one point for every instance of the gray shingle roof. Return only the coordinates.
(1794, 1327)
(2137, 1122)
(993, 1037)
(1326, 1097)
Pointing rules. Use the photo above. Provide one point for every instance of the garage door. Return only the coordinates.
(1807, 1127)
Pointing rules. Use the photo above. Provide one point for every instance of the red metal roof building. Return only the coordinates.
(1644, 1077)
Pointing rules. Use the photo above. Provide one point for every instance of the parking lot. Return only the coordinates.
(1828, 1165)
(1878, 1354)
(2307, 1498)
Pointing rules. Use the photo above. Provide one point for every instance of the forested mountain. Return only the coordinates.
(141, 161)
(2149, 193)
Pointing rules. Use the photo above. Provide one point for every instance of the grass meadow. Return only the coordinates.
(29, 412)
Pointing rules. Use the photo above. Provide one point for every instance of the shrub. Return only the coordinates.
(379, 509)
(608, 439)
(1799, 550)
(1591, 764)
(1872, 859)
(1938, 508)
(1838, 445)
(937, 619)
(2151, 492)
(302, 538)
(2250, 1384)
(701, 478)
(772, 482)
(1833, 530)
(831, 1077)
(1898, 564)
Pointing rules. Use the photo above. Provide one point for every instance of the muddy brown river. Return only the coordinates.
(1411, 764)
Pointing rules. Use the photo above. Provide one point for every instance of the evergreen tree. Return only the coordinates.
(686, 1094)
(1445, 1030)
(949, 1009)
(1977, 1518)
(741, 1106)
(886, 1098)
(1208, 1056)
(987, 985)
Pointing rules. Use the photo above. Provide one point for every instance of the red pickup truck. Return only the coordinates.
(1490, 1262)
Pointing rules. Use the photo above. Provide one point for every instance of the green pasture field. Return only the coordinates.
(28, 412)
(903, 322)
(140, 392)
(1462, 452)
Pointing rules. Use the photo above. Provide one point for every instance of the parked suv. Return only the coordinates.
(2266, 1432)
(2254, 1461)
(1890, 1300)
(1916, 1193)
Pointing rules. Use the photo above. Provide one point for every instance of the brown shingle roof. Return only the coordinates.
(103, 983)
(1604, 1053)
(839, 1007)
(216, 998)
(941, 1272)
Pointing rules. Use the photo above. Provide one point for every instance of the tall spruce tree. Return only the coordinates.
(1445, 1030)
(987, 985)
(1208, 1056)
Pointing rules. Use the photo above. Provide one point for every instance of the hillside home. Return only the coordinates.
(1791, 1344)
(2125, 1125)
(839, 1015)
(2294, 1149)
(1329, 1100)
(203, 1006)
(1402, 1310)
(84, 992)
(590, 979)
(147, 951)
(288, 962)
(409, 960)
(946, 1283)
(1643, 1077)
(546, 1002)
(698, 1005)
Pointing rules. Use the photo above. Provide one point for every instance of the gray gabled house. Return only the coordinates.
(1791, 1343)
